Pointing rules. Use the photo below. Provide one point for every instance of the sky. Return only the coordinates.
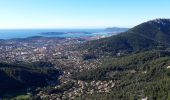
(23, 14)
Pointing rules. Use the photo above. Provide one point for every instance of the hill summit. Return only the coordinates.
(148, 35)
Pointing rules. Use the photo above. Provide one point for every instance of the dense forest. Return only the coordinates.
(137, 76)
(22, 76)
(146, 36)
(137, 60)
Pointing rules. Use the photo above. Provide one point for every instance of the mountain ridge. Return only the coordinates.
(148, 35)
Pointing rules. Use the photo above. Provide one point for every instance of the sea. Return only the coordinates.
(25, 33)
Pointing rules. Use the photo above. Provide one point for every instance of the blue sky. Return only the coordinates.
(79, 13)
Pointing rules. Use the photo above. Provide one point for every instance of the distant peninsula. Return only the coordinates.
(53, 33)
(63, 33)
(116, 29)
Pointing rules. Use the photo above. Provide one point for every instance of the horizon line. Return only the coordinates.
(63, 28)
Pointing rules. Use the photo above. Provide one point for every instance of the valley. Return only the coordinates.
(131, 65)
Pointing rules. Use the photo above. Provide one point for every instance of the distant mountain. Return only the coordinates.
(144, 73)
(158, 30)
(116, 29)
(153, 34)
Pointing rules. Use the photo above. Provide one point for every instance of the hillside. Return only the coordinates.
(153, 34)
(140, 69)
(137, 76)
(137, 67)
(21, 76)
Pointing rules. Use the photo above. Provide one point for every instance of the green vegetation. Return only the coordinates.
(137, 75)
(146, 36)
(19, 77)
(88, 56)
(21, 97)
(123, 65)
(138, 63)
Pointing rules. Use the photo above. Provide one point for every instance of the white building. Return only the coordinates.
(146, 98)
(168, 67)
